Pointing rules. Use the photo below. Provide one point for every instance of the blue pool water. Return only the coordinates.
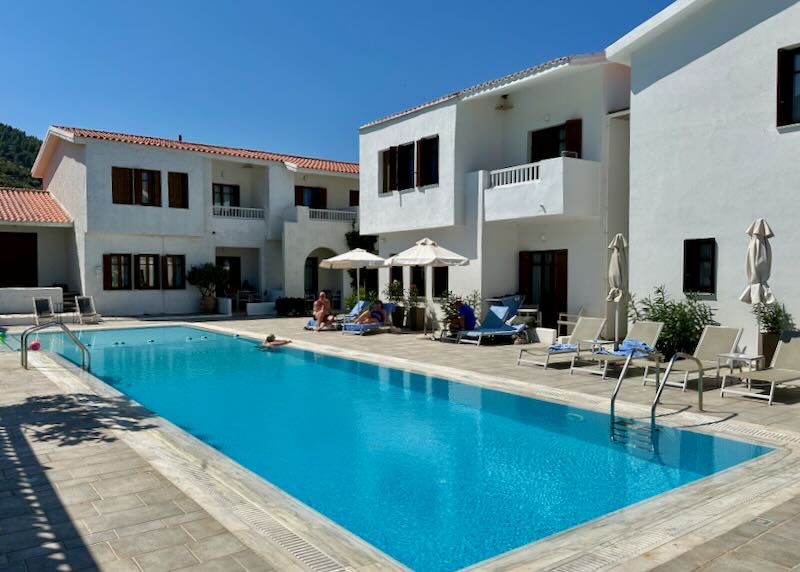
(437, 474)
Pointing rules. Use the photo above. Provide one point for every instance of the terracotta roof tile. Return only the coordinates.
(30, 205)
(299, 161)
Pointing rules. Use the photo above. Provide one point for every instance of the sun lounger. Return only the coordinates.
(785, 368)
(43, 310)
(361, 329)
(585, 329)
(642, 334)
(493, 325)
(341, 318)
(84, 307)
(714, 340)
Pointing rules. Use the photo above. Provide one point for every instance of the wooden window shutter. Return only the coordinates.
(106, 272)
(178, 190)
(121, 185)
(785, 77)
(157, 271)
(420, 148)
(164, 274)
(323, 198)
(393, 168)
(573, 135)
(298, 196)
(386, 161)
(137, 278)
(156, 176)
(137, 186)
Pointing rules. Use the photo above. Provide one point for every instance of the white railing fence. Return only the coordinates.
(514, 175)
(238, 212)
(332, 215)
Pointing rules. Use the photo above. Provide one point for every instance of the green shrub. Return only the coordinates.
(773, 318)
(393, 292)
(684, 320)
(361, 294)
(207, 277)
(412, 297)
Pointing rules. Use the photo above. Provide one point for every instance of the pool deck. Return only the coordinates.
(91, 481)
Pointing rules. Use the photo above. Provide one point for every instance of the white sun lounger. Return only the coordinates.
(43, 310)
(84, 307)
(785, 368)
(585, 329)
(642, 331)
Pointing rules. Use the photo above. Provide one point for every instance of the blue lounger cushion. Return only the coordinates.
(628, 347)
(555, 348)
(494, 324)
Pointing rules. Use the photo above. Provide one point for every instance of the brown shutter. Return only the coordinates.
(163, 281)
(137, 186)
(785, 77)
(385, 162)
(127, 257)
(156, 176)
(393, 168)
(354, 198)
(298, 196)
(121, 185)
(419, 162)
(106, 272)
(525, 285)
(175, 190)
(137, 282)
(157, 271)
(323, 198)
(572, 137)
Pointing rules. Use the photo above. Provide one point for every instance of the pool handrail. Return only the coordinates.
(86, 355)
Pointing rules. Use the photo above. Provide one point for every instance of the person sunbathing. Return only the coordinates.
(272, 342)
(375, 314)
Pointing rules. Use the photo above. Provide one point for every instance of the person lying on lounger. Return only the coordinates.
(322, 312)
(464, 319)
(376, 314)
(272, 342)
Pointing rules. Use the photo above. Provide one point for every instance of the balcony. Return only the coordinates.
(238, 212)
(331, 215)
(563, 187)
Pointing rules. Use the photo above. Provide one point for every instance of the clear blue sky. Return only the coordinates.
(294, 77)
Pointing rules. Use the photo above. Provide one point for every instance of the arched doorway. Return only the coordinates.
(316, 279)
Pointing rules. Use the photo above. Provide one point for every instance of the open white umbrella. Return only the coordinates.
(427, 253)
(357, 259)
(617, 276)
(759, 264)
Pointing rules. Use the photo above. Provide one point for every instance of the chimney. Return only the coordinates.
(180, 137)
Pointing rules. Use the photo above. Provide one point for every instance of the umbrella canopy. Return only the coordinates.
(427, 253)
(618, 269)
(759, 264)
(353, 259)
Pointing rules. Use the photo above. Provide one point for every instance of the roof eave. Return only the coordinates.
(36, 223)
(303, 170)
(39, 164)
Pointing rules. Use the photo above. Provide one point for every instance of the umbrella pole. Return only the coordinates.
(616, 327)
(358, 283)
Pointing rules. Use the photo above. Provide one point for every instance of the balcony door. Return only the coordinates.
(233, 264)
(543, 280)
(311, 197)
(564, 139)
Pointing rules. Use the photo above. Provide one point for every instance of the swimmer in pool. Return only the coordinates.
(272, 342)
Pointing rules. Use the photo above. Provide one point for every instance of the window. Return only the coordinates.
(135, 186)
(418, 279)
(116, 271)
(556, 141)
(396, 273)
(173, 272)
(428, 161)
(311, 197)
(441, 280)
(225, 195)
(699, 265)
(354, 198)
(178, 184)
(405, 166)
(789, 86)
(146, 271)
(389, 170)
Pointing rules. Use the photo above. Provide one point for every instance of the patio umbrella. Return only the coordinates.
(357, 259)
(759, 264)
(427, 253)
(617, 276)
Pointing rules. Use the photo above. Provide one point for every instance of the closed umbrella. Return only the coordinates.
(357, 259)
(759, 264)
(427, 253)
(617, 277)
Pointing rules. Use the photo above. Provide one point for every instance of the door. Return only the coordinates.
(233, 264)
(18, 260)
(311, 277)
(543, 280)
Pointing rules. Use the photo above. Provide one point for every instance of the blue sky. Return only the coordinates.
(294, 77)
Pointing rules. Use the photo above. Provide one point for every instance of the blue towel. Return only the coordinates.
(628, 347)
(562, 347)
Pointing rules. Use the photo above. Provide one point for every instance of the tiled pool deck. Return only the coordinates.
(88, 481)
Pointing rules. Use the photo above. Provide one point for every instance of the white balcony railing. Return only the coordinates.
(514, 175)
(332, 215)
(238, 212)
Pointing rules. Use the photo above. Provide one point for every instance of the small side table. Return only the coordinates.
(736, 359)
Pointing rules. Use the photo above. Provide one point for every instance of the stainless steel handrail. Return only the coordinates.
(660, 386)
(86, 355)
(655, 356)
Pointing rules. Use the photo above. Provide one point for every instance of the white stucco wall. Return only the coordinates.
(411, 209)
(706, 156)
(338, 187)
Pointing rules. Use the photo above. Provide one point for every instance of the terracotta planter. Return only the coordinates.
(766, 346)
(208, 304)
(415, 319)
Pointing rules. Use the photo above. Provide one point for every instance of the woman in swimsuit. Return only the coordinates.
(376, 314)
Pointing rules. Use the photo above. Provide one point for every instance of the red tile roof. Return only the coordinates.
(30, 205)
(300, 162)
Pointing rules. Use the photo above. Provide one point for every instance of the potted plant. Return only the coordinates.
(394, 293)
(207, 278)
(773, 320)
(415, 314)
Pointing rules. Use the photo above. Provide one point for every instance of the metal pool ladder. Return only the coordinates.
(86, 355)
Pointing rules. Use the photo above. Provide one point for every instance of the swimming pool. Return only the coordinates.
(437, 474)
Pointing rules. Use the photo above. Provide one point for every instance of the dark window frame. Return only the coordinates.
(154, 263)
(693, 260)
(427, 165)
(219, 191)
(788, 92)
(354, 198)
(405, 166)
(179, 284)
(440, 273)
(417, 279)
(124, 263)
(127, 186)
(317, 197)
(178, 190)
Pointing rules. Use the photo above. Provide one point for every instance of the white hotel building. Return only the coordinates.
(140, 211)
(679, 136)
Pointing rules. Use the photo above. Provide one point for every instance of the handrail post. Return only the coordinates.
(86, 355)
